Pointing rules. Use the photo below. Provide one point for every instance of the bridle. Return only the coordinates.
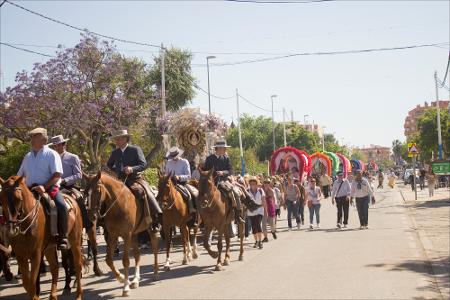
(173, 198)
(97, 208)
(15, 226)
(210, 203)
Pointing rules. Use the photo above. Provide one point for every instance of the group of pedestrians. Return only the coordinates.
(294, 195)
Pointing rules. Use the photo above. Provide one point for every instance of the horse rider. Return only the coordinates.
(72, 174)
(42, 169)
(127, 162)
(180, 171)
(220, 162)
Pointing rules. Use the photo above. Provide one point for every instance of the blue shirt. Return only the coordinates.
(71, 168)
(39, 168)
(179, 168)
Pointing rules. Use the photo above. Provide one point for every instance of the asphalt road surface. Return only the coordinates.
(386, 261)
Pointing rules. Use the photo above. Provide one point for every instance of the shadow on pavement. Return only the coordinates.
(431, 204)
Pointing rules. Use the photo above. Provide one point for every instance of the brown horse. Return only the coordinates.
(175, 213)
(120, 217)
(30, 237)
(217, 213)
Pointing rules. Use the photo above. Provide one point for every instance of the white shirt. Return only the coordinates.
(361, 190)
(344, 191)
(258, 198)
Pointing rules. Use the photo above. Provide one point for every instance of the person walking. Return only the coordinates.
(431, 178)
(314, 197)
(256, 216)
(325, 183)
(422, 175)
(292, 195)
(269, 217)
(341, 195)
(279, 201)
(362, 192)
(301, 201)
(380, 180)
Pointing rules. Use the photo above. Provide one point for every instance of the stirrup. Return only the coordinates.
(63, 244)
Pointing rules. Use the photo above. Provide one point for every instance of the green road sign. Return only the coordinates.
(441, 167)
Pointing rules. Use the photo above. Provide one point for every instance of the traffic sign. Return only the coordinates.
(413, 150)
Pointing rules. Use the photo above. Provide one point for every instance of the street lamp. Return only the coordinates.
(304, 119)
(273, 122)
(209, 92)
(323, 138)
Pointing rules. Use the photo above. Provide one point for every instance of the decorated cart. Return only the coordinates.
(357, 165)
(320, 163)
(372, 166)
(344, 164)
(289, 159)
(334, 162)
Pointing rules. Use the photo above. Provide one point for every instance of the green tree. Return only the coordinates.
(252, 164)
(400, 151)
(11, 159)
(359, 155)
(427, 138)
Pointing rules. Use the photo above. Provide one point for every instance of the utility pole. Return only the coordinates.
(323, 138)
(438, 118)
(284, 127)
(209, 91)
(292, 116)
(163, 81)
(240, 135)
(304, 118)
(273, 123)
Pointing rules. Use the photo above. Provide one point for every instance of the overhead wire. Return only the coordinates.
(257, 106)
(25, 50)
(279, 2)
(446, 71)
(81, 29)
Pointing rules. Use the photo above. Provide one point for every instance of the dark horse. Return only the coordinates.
(121, 218)
(30, 236)
(175, 213)
(216, 212)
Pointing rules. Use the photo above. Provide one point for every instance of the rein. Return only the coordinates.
(115, 200)
(173, 200)
(19, 222)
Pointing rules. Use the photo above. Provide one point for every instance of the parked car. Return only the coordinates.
(407, 174)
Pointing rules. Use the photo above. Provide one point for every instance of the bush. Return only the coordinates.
(11, 159)
(151, 176)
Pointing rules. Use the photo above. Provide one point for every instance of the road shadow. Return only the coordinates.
(430, 204)
(439, 267)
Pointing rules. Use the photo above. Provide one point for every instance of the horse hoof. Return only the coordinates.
(166, 268)
(98, 272)
(134, 284)
(194, 255)
(185, 262)
(156, 277)
(218, 268)
(214, 254)
(121, 278)
(125, 293)
(241, 258)
(226, 262)
(66, 291)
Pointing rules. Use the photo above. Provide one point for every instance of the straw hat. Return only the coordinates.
(174, 152)
(120, 133)
(56, 140)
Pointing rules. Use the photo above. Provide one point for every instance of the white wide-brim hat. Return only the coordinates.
(58, 139)
(119, 133)
(174, 152)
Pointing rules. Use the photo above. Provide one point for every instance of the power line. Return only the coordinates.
(214, 96)
(26, 50)
(81, 29)
(446, 71)
(279, 2)
(324, 53)
(257, 106)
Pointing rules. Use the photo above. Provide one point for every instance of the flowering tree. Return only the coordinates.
(85, 93)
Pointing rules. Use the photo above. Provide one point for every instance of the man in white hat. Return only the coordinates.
(128, 162)
(180, 170)
(42, 169)
(70, 162)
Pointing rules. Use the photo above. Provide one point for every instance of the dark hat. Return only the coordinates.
(340, 173)
(221, 144)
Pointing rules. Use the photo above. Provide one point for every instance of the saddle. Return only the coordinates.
(51, 212)
(80, 199)
(146, 203)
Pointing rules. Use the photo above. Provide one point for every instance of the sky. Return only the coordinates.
(362, 98)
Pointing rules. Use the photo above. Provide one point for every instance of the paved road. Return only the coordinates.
(384, 262)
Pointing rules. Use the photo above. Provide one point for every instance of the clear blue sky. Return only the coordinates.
(363, 98)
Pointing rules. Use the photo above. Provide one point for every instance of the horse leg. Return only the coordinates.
(194, 248)
(78, 260)
(227, 250)
(52, 259)
(110, 247)
(65, 263)
(35, 263)
(24, 269)
(155, 247)
(126, 265)
(206, 244)
(137, 263)
(184, 238)
(219, 248)
(92, 240)
(168, 240)
(241, 239)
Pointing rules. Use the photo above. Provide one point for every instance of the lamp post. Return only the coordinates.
(323, 138)
(209, 91)
(304, 118)
(273, 122)
(438, 118)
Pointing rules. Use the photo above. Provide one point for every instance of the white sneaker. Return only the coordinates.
(311, 226)
(318, 226)
(298, 226)
(338, 226)
(361, 227)
(345, 225)
(366, 227)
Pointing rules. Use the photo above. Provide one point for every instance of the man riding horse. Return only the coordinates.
(220, 162)
(42, 169)
(127, 162)
(180, 171)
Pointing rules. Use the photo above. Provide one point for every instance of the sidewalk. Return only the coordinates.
(431, 217)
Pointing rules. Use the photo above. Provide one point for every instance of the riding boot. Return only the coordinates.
(236, 204)
(155, 225)
(63, 243)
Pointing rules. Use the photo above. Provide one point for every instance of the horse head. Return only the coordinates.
(205, 185)
(165, 187)
(95, 194)
(12, 199)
